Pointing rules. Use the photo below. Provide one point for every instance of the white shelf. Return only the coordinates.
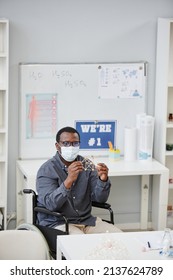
(2, 203)
(169, 125)
(3, 130)
(164, 96)
(168, 153)
(3, 87)
(3, 54)
(4, 81)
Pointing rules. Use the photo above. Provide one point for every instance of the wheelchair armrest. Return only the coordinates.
(37, 209)
(29, 191)
(56, 214)
(107, 206)
(103, 205)
(46, 211)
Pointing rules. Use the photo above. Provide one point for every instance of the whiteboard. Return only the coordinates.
(66, 93)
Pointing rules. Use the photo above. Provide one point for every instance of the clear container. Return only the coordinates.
(167, 248)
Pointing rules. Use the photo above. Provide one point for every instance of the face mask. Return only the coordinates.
(69, 153)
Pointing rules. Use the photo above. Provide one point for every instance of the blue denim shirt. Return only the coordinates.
(74, 203)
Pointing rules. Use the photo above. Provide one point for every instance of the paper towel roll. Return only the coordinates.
(130, 140)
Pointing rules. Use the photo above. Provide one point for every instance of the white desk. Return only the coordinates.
(27, 170)
(126, 245)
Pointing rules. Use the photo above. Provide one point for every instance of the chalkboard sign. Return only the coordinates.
(56, 95)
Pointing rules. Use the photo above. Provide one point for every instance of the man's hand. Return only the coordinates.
(73, 171)
(102, 170)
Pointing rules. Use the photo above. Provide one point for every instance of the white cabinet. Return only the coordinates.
(163, 146)
(4, 68)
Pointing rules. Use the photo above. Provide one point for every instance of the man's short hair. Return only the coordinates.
(66, 129)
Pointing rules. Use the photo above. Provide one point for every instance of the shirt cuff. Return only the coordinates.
(104, 184)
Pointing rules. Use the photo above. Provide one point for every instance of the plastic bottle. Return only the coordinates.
(167, 243)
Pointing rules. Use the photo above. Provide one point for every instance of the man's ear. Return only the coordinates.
(57, 146)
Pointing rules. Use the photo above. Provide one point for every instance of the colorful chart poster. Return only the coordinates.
(41, 115)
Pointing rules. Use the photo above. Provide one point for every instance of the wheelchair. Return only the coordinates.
(49, 233)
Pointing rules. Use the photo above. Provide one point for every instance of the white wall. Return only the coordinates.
(78, 31)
